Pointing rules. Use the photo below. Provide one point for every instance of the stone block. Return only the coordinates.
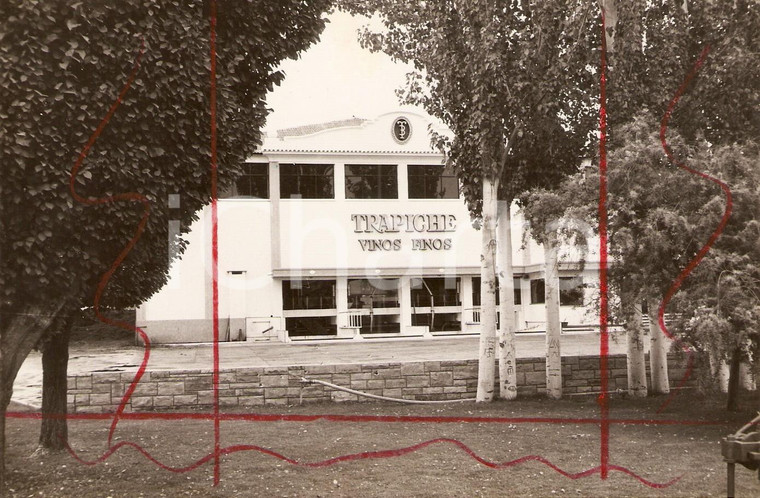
(157, 375)
(395, 383)
(228, 377)
(535, 378)
(84, 382)
(91, 409)
(146, 389)
(448, 364)
(467, 372)
(101, 388)
(118, 389)
(206, 398)
(186, 400)
(82, 399)
(170, 388)
(386, 373)
(248, 376)
(432, 390)
(432, 366)
(198, 383)
(454, 389)
(441, 378)
(142, 402)
(278, 401)
(583, 374)
(319, 369)
(275, 392)
(279, 380)
(348, 368)
(228, 401)
(342, 396)
(412, 369)
(417, 381)
(162, 401)
(250, 400)
(106, 377)
(361, 376)
(250, 392)
(392, 393)
(341, 379)
(376, 384)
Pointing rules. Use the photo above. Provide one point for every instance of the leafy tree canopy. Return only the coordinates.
(64, 63)
(513, 81)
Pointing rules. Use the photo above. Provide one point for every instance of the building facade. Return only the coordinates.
(348, 230)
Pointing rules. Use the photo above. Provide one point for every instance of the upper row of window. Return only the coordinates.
(362, 181)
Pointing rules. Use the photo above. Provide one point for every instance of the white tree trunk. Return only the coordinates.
(507, 355)
(553, 325)
(487, 356)
(636, 361)
(724, 373)
(658, 352)
(746, 376)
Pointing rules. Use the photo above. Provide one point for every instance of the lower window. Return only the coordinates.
(311, 326)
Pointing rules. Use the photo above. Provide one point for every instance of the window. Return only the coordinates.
(308, 294)
(476, 291)
(254, 183)
(371, 181)
(435, 292)
(432, 182)
(537, 291)
(571, 291)
(306, 181)
(311, 326)
(373, 293)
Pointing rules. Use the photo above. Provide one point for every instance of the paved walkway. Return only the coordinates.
(27, 388)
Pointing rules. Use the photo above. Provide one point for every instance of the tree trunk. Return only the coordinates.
(747, 376)
(507, 361)
(553, 325)
(732, 403)
(636, 362)
(487, 356)
(19, 333)
(724, 374)
(55, 360)
(658, 352)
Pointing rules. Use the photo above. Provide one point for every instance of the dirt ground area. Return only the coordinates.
(270, 455)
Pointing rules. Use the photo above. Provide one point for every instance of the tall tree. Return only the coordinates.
(512, 81)
(64, 66)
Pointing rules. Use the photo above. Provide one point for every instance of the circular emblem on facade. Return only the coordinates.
(401, 130)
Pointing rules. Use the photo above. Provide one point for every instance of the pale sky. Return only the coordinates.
(335, 79)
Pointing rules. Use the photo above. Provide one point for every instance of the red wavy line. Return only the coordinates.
(369, 455)
(130, 196)
(705, 248)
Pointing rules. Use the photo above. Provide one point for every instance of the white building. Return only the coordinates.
(349, 229)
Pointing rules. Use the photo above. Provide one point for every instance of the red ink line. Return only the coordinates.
(214, 247)
(713, 237)
(131, 196)
(604, 346)
(258, 417)
(369, 455)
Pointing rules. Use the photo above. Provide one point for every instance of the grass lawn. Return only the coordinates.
(657, 453)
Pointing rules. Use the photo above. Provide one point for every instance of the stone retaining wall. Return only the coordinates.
(430, 380)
